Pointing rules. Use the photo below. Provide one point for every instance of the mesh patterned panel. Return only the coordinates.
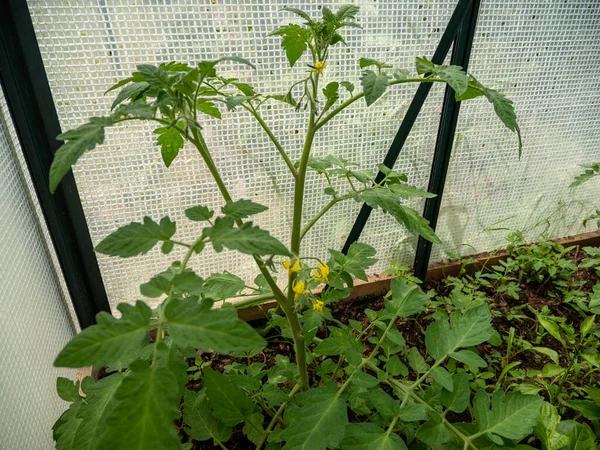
(533, 52)
(34, 321)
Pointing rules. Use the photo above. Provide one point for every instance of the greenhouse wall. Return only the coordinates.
(540, 54)
(35, 321)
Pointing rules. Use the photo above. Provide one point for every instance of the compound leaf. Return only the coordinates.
(406, 300)
(369, 436)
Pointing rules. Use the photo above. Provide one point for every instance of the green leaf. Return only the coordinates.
(246, 89)
(413, 413)
(457, 400)
(442, 377)
(228, 401)
(236, 100)
(406, 300)
(434, 432)
(505, 111)
(201, 424)
(67, 389)
(132, 91)
(253, 428)
(512, 416)
(136, 238)
(298, 12)
(108, 340)
(551, 327)
(136, 108)
(416, 360)
(171, 142)
(349, 86)
(194, 323)
(581, 436)
(207, 107)
(221, 286)
(331, 93)
(364, 380)
(320, 421)
(366, 62)
(65, 429)
(374, 85)
(341, 341)
(385, 405)
(389, 202)
(424, 66)
(294, 41)
(100, 401)
(246, 239)
(358, 259)
(241, 209)
(464, 330)
(456, 79)
(199, 213)
(146, 404)
(369, 436)
(78, 141)
(237, 59)
(587, 409)
(592, 358)
(587, 325)
(546, 429)
(468, 357)
(590, 172)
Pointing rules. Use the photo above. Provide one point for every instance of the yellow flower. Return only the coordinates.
(321, 273)
(299, 288)
(291, 268)
(318, 305)
(318, 67)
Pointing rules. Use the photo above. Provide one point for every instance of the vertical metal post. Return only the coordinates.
(458, 17)
(31, 106)
(461, 53)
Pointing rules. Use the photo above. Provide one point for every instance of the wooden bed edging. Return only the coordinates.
(380, 284)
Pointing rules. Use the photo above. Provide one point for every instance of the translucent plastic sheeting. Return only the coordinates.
(541, 54)
(34, 319)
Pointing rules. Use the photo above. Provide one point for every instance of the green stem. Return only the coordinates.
(255, 300)
(320, 214)
(351, 100)
(276, 417)
(275, 141)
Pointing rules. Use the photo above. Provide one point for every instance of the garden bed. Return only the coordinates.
(525, 354)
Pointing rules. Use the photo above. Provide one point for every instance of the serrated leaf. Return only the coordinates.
(434, 432)
(341, 341)
(65, 429)
(207, 107)
(366, 62)
(348, 86)
(374, 85)
(146, 405)
(385, 405)
(241, 209)
(455, 77)
(505, 111)
(228, 401)
(581, 436)
(194, 323)
(77, 142)
(442, 377)
(99, 404)
(235, 100)
(546, 429)
(331, 93)
(416, 361)
(246, 239)
(199, 213)
(406, 300)
(358, 259)
(369, 436)
(294, 41)
(253, 428)
(67, 389)
(201, 424)
(472, 327)
(299, 13)
(136, 108)
(364, 380)
(224, 285)
(136, 238)
(170, 141)
(457, 400)
(389, 202)
(512, 416)
(468, 357)
(413, 413)
(424, 66)
(108, 340)
(320, 421)
(130, 92)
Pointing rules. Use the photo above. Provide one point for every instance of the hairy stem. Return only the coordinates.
(275, 141)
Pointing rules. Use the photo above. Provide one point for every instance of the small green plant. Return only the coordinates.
(591, 171)
(298, 402)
